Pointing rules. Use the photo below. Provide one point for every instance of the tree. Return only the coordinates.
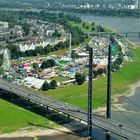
(14, 50)
(35, 33)
(45, 86)
(1, 60)
(87, 27)
(119, 60)
(35, 66)
(93, 28)
(83, 24)
(47, 49)
(53, 84)
(80, 78)
(48, 63)
(26, 28)
(74, 54)
(115, 67)
(56, 34)
(39, 50)
(60, 45)
(100, 29)
(93, 23)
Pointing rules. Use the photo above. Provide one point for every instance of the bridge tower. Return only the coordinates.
(108, 112)
(90, 94)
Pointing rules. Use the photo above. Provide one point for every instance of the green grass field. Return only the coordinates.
(87, 27)
(13, 118)
(77, 95)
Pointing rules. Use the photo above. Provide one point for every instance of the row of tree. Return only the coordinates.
(14, 17)
(51, 85)
(76, 32)
(116, 64)
(80, 79)
(16, 53)
(48, 63)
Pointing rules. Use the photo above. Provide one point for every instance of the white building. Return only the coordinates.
(26, 47)
(34, 82)
(4, 25)
(131, 7)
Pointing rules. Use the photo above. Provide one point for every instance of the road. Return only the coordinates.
(99, 121)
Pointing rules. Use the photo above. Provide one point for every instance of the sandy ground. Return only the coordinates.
(62, 130)
(36, 133)
(116, 103)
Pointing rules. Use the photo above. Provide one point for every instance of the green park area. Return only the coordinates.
(13, 118)
(90, 27)
(84, 26)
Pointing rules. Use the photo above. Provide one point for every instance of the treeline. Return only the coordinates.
(14, 17)
(107, 12)
(77, 34)
(16, 53)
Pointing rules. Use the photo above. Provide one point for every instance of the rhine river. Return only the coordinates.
(123, 24)
(119, 24)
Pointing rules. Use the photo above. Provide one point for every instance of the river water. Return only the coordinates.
(119, 24)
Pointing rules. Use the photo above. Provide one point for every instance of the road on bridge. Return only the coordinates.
(99, 121)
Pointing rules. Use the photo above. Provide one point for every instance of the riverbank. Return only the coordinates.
(49, 133)
(117, 100)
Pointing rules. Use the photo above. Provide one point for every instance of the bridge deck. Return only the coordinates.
(99, 121)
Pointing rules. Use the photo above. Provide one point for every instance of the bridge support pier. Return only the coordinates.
(12, 97)
(126, 35)
(108, 137)
(108, 111)
(28, 104)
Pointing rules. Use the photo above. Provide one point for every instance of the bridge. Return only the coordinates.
(133, 36)
(74, 112)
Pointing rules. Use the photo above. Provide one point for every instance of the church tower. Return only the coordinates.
(136, 4)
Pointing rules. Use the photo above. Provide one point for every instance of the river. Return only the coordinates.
(119, 24)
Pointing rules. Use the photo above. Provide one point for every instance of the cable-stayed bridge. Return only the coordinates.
(74, 112)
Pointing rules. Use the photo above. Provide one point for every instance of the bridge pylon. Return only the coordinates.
(90, 94)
